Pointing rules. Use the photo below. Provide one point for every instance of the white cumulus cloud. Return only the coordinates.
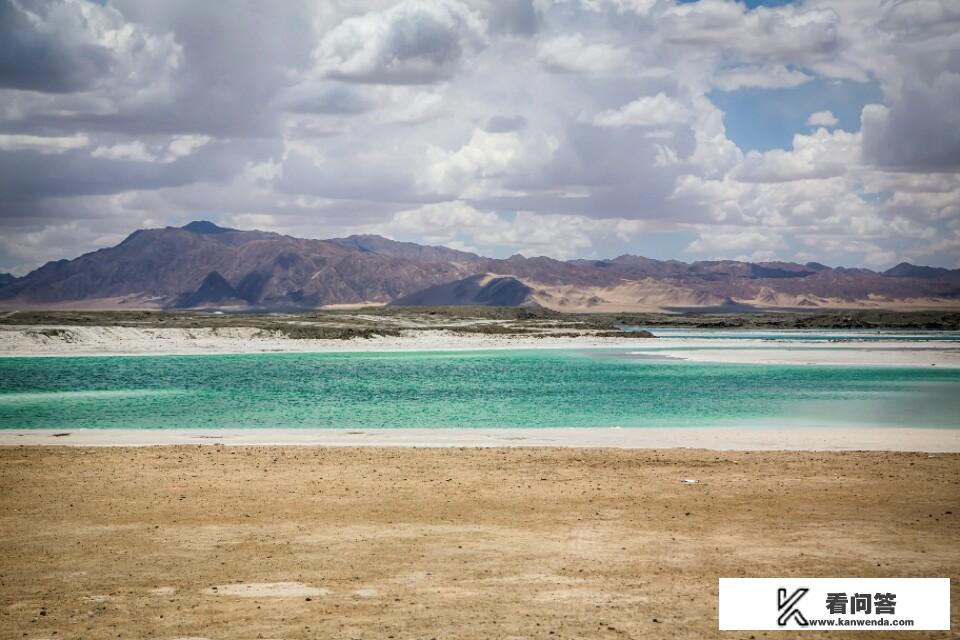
(647, 111)
(412, 42)
(822, 119)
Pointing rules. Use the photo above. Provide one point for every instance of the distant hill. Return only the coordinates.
(203, 265)
(214, 291)
(907, 270)
(176, 266)
(203, 226)
(479, 290)
(406, 250)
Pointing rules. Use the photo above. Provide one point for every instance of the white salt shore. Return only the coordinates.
(718, 439)
(34, 341)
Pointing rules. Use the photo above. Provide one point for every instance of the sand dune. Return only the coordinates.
(651, 296)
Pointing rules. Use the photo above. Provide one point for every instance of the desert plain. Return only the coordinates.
(308, 542)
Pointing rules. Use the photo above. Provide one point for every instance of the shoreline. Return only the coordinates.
(900, 439)
(127, 342)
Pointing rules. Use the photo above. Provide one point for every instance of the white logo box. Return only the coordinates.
(784, 604)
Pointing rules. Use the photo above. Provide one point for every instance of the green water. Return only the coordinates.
(798, 335)
(544, 388)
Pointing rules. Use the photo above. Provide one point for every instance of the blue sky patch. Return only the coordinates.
(764, 119)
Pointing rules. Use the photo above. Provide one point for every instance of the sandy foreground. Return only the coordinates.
(125, 341)
(311, 542)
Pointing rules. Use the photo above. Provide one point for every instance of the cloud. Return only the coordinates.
(817, 156)
(325, 98)
(157, 151)
(760, 76)
(505, 124)
(22, 253)
(573, 54)
(59, 48)
(647, 111)
(42, 144)
(459, 225)
(181, 146)
(822, 119)
(784, 34)
(45, 49)
(879, 258)
(167, 75)
(920, 132)
(487, 155)
(413, 42)
(134, 150)
(716, 242)
(26, 176)
(514, 17)
(406, 106)
(907, 19)
(581, 124)
(333, 175)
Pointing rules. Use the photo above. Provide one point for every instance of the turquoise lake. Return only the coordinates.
(504, 388)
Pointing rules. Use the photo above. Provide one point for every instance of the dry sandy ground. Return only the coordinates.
(298, 542)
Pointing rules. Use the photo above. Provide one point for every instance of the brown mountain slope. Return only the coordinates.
(164, 266)
(406, 250)
(203, 265)
(480, 290)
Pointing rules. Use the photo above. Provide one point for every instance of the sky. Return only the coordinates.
(819, 130)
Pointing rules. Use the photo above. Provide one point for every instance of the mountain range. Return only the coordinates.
(202, 265)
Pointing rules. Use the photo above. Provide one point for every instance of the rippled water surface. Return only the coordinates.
(509, 388)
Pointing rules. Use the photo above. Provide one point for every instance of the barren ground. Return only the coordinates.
(303, 542)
